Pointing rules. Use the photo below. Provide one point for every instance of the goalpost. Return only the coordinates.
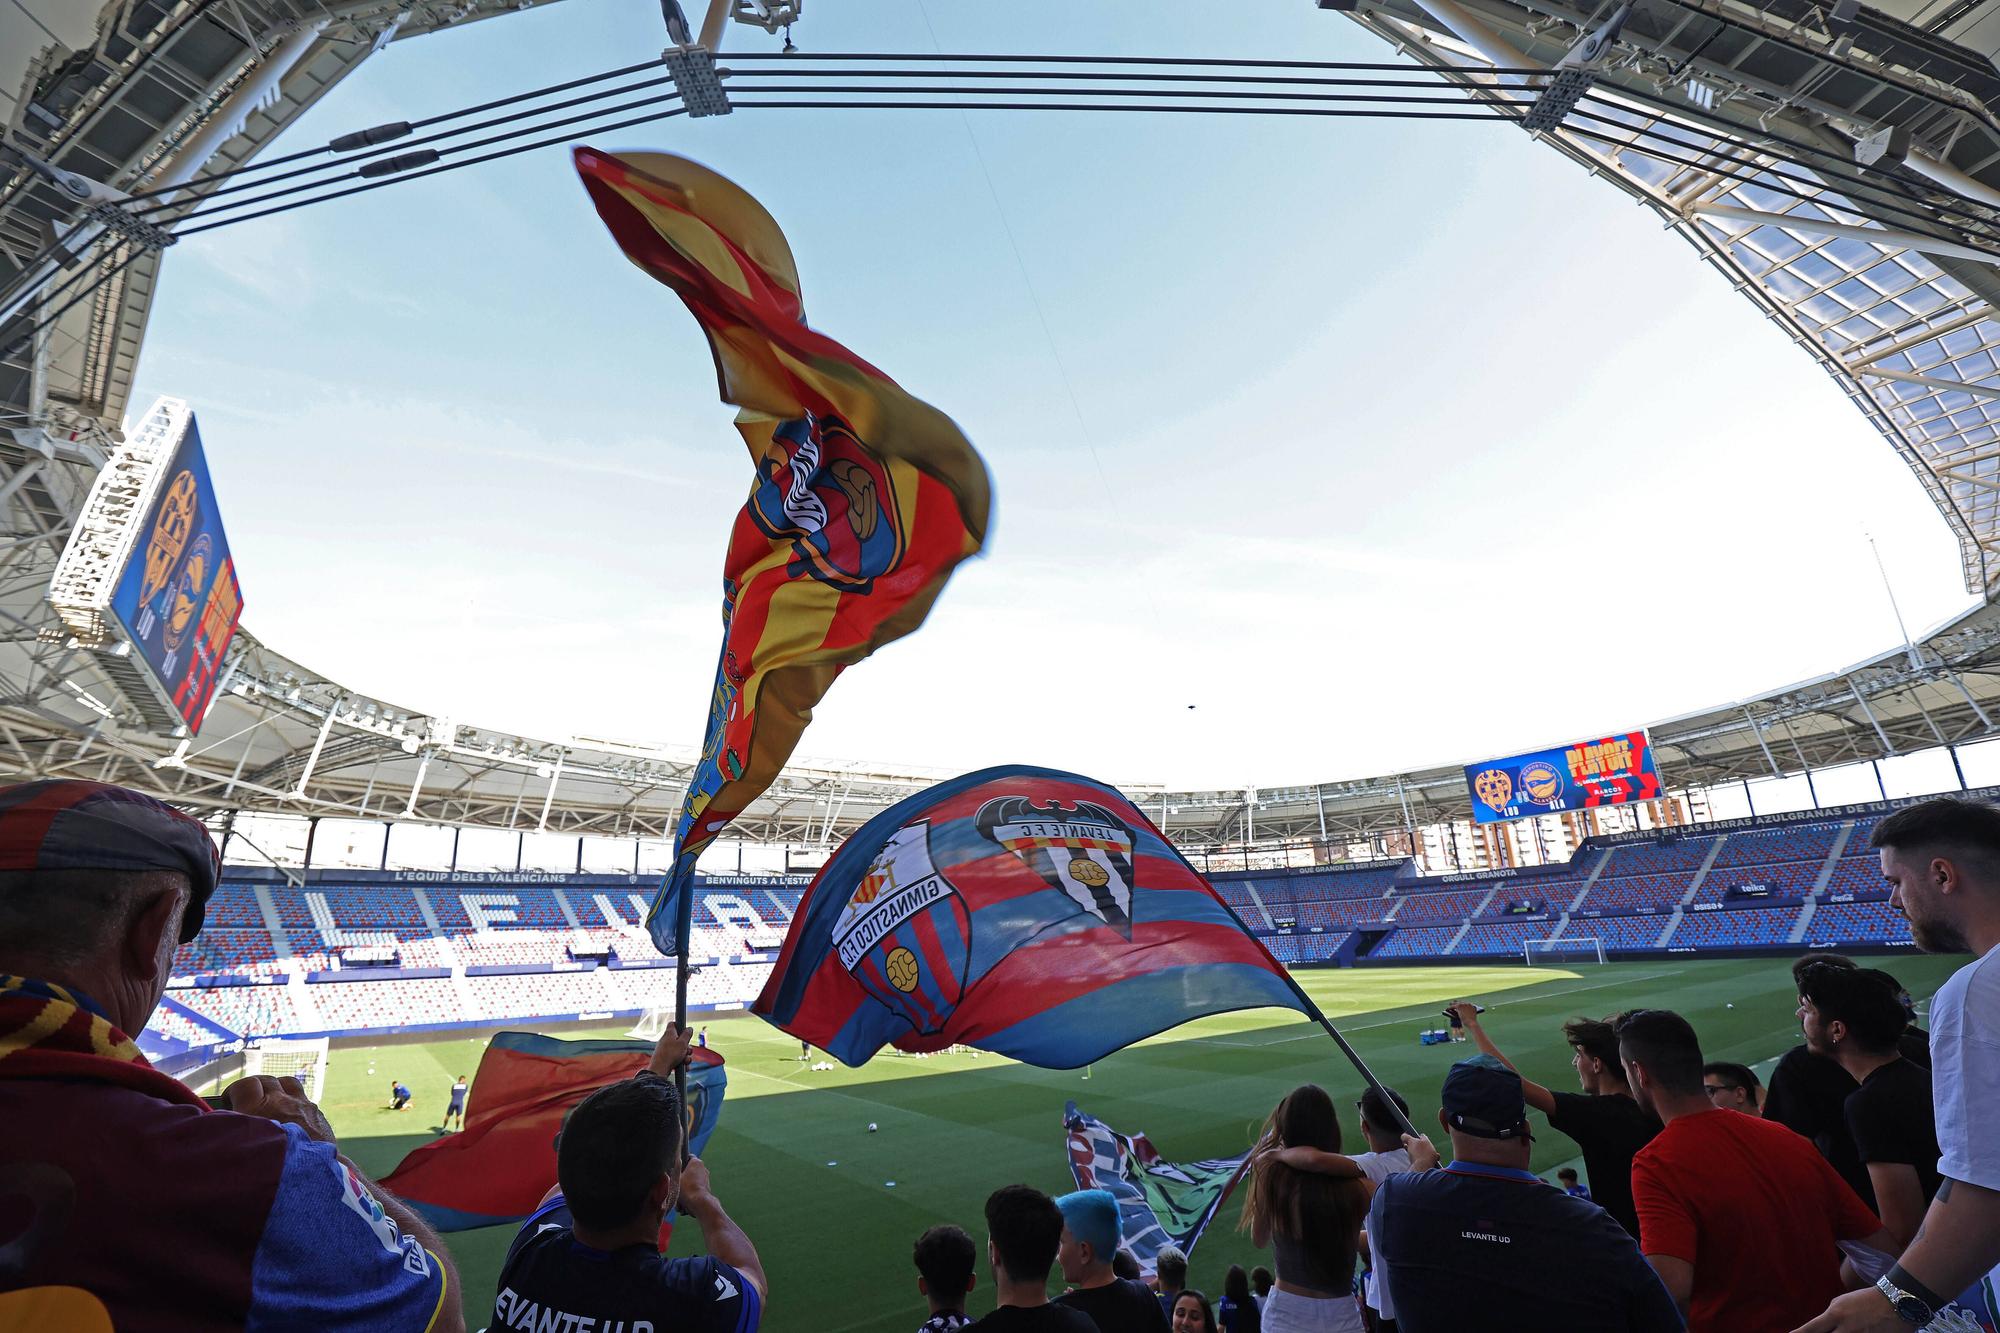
(304, 1060)
(1541, 951)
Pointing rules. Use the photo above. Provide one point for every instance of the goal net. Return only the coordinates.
(1589, 948)
(653, 1024)
(304, 1060)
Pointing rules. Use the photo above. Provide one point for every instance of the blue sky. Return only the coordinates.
(1390, 443)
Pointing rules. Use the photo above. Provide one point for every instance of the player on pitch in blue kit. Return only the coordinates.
(456, 1109)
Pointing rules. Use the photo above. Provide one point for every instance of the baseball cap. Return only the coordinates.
(1092, 1217)
(1482, 1097)
(65, 824)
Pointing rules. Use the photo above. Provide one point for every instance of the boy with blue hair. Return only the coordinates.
(1090, 1239)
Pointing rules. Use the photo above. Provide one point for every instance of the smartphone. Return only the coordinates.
(1456, 1021)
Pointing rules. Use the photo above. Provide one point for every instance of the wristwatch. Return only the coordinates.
(1910, 1309)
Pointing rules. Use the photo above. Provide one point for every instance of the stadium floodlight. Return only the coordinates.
(691, 58)
(1576, 74)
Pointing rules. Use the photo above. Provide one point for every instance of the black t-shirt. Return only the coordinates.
(550, 1280)
(1915, 1046)
(1122, 1306)
(1891, 1119)
(1034, 1319)
(1493, 1249)
(1609, 1129)
(1808, 1094)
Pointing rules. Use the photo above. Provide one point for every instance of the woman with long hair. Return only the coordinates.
(1237, 1311)
(1310, 1219)
(1191, 1313)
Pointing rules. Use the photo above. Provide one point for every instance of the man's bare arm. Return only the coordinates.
(1677, 1276)
(1533, 1093)
(719, 1232)
(1958, 1242)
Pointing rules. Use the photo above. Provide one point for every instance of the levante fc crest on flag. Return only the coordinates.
(864, 499)
(1082, 850)
(1030, 912)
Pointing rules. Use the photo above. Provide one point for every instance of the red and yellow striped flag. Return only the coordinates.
(865, 497)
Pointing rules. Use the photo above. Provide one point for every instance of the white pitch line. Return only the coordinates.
(1392, 1022)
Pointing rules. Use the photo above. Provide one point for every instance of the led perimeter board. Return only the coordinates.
(1612, 770)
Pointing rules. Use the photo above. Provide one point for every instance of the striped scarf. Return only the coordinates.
(51, 1031)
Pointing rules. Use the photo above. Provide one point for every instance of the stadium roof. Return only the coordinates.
(1746, 128)
(283, 738)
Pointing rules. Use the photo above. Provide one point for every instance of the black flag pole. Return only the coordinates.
(1313, 1011)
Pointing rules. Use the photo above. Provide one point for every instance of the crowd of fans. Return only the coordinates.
(1851, 1194)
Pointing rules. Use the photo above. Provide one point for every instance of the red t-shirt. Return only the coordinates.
(1756, 1210)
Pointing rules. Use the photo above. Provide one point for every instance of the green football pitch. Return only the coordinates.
(834, 1209)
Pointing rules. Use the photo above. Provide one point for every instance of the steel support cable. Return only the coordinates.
(568, 138)
(1769, 176)
(1669, 107)
(425, 123)
(910, 58)
(403, 146)
(665, 99)
(29, 334)
(377, 150)
(1168, 107)
(344, 172)
(322, 149)
(1443, 96)
(1835, 166)
(400, 145)
(1820, 179)
(1663, 156)
(1493, 112)
(1446, 98)
(568, 85)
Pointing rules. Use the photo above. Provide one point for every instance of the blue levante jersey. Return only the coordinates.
(551, 1283)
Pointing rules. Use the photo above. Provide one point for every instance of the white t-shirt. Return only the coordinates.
(1379, 1166)
(1965, 1074)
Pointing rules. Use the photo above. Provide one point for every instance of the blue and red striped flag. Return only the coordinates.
(501, 1164)
(1024, 911)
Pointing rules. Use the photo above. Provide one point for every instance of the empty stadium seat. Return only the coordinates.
(1451, 905)
(1618, 932)
(1759, 847)
(1734, 928)
(1633, 891)
(1874, 922)
(1415, 942)
(1488, 938)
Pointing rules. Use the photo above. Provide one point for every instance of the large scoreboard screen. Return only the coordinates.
(1612, 770)
(177, 599)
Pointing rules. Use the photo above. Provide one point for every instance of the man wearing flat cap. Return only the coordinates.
(127, 1201)
(1486, 1244)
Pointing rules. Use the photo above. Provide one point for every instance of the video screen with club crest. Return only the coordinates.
(1610, 770)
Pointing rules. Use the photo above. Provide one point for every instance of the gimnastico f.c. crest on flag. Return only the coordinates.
(1021, 910)
(865, 498)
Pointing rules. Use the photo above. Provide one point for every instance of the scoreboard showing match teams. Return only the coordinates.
(149, 564)
(1614, 770)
